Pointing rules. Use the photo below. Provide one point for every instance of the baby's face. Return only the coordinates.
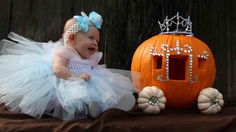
(86, 44)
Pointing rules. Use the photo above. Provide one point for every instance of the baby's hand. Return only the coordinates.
(85, 76)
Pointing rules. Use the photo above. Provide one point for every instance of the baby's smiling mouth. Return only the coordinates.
(92, 48)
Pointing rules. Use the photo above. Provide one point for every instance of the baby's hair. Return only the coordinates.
(71, 27)
(68, 24)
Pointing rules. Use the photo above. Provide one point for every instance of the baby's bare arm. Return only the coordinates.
(60, 67)
(61, 71)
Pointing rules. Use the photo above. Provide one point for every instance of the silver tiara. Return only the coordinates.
(176, 25)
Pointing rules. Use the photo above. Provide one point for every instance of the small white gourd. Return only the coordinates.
(210, 101)
(151, 100)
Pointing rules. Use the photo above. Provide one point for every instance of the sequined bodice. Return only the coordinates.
(79, 66)
(76, 63)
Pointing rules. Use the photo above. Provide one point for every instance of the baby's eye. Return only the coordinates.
(91, 37)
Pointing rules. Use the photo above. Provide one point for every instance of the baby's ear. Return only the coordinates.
(71, 38)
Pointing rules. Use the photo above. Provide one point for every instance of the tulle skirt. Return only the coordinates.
(27, 84)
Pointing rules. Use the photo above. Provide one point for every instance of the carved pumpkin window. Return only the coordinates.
(200, 64)
(158, 62)
(202, 60)
(177, 67)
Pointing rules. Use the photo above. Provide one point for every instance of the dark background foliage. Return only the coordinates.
(127, 23)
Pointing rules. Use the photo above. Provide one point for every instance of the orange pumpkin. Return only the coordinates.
(180, 65)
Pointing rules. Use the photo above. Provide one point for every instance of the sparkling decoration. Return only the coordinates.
(194, 79)
(153, 101)
(181, 25)
(186, 49)
(152, 52)
(190, 68)
(167, 66)
(204, 55)
(160, 78)
(215, 101)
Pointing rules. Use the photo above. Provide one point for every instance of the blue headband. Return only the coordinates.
(93, 19)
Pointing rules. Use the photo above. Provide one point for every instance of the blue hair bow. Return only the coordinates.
(93, 19)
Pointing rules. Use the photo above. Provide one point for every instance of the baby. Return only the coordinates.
(83, 43)
(67, 82)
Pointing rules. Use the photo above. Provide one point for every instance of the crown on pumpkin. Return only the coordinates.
(176, 25)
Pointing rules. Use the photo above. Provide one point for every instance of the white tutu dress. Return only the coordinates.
(27, 84)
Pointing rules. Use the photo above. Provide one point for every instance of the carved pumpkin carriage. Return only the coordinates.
(176, 70)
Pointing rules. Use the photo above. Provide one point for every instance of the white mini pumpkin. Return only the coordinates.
(151, 100)
(210, 101)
